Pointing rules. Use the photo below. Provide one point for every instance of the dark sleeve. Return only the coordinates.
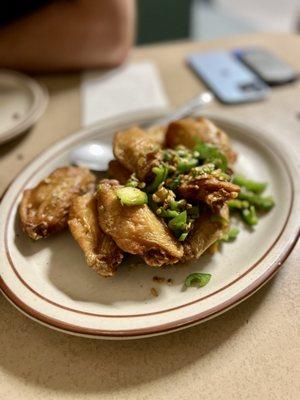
(13, 9)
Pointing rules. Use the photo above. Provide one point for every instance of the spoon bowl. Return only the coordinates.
(96, 155)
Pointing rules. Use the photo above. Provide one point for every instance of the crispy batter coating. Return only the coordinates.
(117, 171)
(44, 209)
(136, 151)
(206, 231)
(184, 131)
(136, 229)
(208, 189)
(158, 134)
(101, 252)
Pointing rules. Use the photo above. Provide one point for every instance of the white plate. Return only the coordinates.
(22, 102)
(50, 282)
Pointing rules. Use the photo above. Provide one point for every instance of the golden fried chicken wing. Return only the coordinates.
(158, 134)
(44, 209)
(135, 229)
(208, 189)
(117, 171)
(184, 131)
(206, 231)
(136, 151)
(101, 252)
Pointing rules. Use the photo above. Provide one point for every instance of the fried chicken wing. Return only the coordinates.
(136, 151)
(208, 189)
(206, 231)
(101, 252)
(44, 209)
(158, 134)
(135, 229)
(184, 131)
(117, 171)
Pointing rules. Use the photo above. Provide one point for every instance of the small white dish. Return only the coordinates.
(50, 282)
(22, 101)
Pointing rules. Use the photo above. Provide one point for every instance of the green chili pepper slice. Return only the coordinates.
(166, 213)
(252, 186)
(183, 236)
(231, 235)
(130, 196)
(178, 223)
(249, 216)
(161, 174)
(211, 154)
(197, 278)
(185, 165)
(236, 204)
(177, 205)
(262, 203)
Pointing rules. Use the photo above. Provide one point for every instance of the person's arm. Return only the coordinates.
(68, 35)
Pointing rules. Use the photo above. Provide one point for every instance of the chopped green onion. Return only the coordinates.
(161, 174)
(166, 213)
(231, 235)
(179, 222)
(185, 165)
(262, 203)
(211, 154)
(234, 204)
(197, 278)
(130, 196)
(175, 205)
(249, 216)
(183, 236)
(252, 186)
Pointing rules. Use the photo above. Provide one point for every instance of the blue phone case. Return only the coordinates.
(230, 80)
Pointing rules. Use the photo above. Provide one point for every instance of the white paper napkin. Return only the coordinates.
(129, 88)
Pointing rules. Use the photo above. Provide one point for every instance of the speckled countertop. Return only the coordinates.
(251, 352)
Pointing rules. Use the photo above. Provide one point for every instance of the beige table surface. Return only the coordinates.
(250, 352)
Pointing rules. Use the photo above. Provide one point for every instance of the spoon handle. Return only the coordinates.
(185, 109)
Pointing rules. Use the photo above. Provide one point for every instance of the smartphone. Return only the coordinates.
(230, 80)
(266, 65)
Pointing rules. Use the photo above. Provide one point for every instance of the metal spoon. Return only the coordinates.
(96, 155)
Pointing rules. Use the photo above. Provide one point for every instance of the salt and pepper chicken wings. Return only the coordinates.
(44, 209)
(136, 229)
(101, 252)
(186, 187)
(136, 151)
(186, 132)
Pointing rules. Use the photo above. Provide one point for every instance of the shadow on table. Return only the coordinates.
(64, 363)
(11, 145)
(61, 82)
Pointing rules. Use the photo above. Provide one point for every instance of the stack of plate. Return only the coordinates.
(22, 102)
